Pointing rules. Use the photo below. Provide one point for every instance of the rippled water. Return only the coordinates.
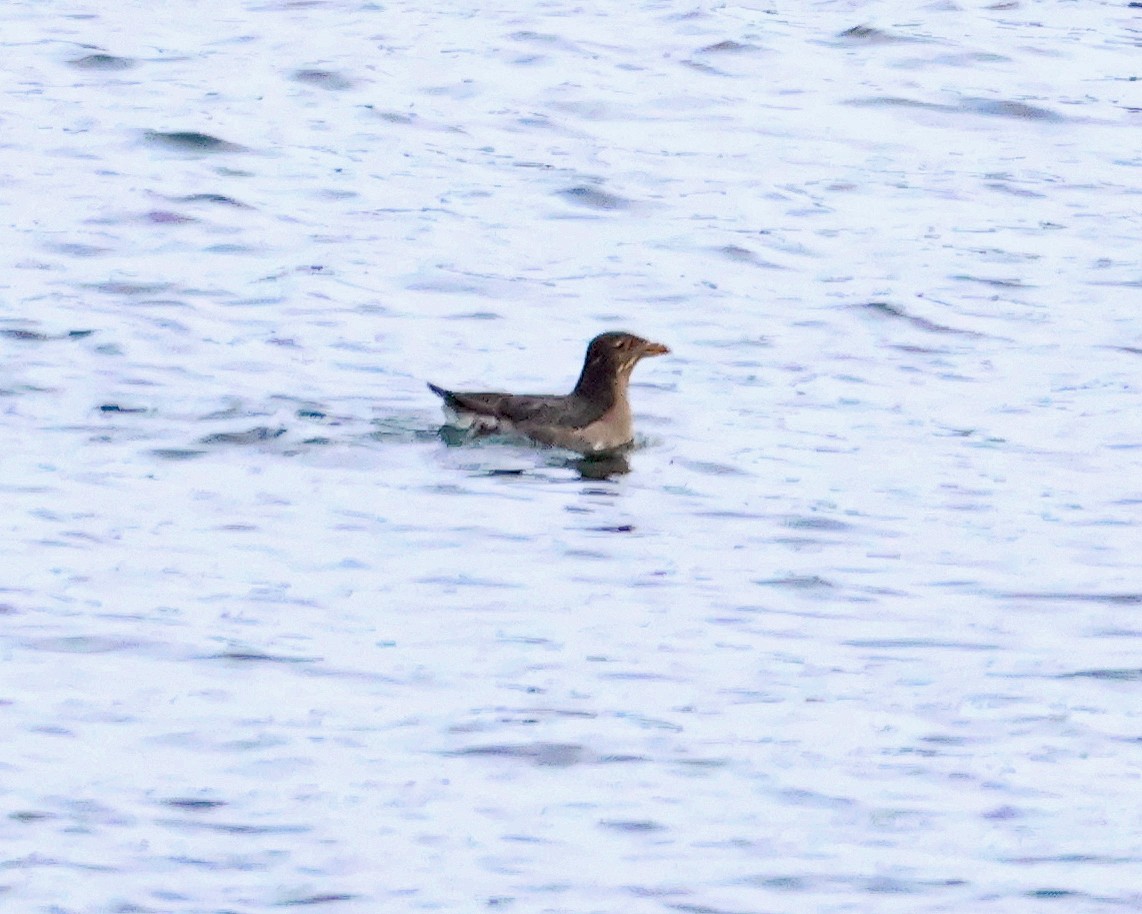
(857, 626)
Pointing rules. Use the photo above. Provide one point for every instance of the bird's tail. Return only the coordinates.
(449, 398)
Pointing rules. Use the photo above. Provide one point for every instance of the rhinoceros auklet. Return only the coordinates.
(595, 418)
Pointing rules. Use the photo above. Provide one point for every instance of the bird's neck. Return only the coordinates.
(602, 384)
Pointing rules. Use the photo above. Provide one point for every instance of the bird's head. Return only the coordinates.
(621, 351)
(610, 359)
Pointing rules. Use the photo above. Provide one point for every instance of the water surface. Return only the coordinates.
(855, 629)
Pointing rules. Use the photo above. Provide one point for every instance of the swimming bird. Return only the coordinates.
(595, 418)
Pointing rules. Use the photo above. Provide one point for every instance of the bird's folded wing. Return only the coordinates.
(569, 412)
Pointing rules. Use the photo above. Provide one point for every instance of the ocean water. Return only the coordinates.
(855, 627)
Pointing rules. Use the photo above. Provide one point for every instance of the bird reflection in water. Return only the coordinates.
(601, 467)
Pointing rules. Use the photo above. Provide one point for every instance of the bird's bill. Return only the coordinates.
(650, 348)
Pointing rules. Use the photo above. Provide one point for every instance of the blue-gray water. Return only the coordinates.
(858, 631)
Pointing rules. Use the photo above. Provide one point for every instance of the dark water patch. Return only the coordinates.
(116, 408)
(866, 34)
(617, 528)
(745, 255)
(968, 59)
(632, 825)
(732, 515)
(229, 862)
(177, 453)
(885, 309)
(799, 797)
(1071, 858)
(1117, 284)
(797, 582)
(656, 891)
(639, 676)
(411, 119)
(449, 285)
(323, 79)
(36, 336)
(701, 67)
(474, 316)
(324, 671)
(943, 739)
(828, 524)
(122, 287)
(322, 898)
(166, 217)
(1101, 632)
(1005, 188)
(991, 281)
(84, 644)
(909, 643)
(35, 861)
(229, 248)
(893, 101)
(871, 884)
(783, 883)
(31, 815)
(254, 435)
(397, 117)
(1121, 675)
(649, 723)
(594, 198)
(75, 249)
(219, 199)
(734, 252)
(535, 714)
(190, 141)
(1007, 108)
(752, 697)
(1003, 814)
(192, 804)
(710, 468)
(465, 580)
(703, 763)
(231, 828)
(729, 46)
(979, 106)
(101, 62)
(748, 342)
(1131, 350)
(548, 755)
(51, 731)
(545, 39)
(235, 410)
(407, 429)
(881, 885)
(1114, 599)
